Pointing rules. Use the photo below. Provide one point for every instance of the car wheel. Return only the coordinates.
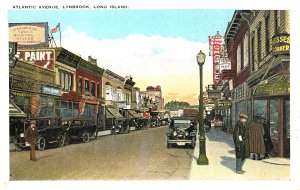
(60, 140)
(17, 146)
(67, 140)
(193, 145)
(41, 143)
(86, 137)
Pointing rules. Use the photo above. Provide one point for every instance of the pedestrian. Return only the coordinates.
(267, 137)
(31, 136)
(256, 138)
(241, 142)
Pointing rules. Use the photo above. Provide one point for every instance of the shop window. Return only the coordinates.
(287, 118)
(259, 107)
(274, 118)
(240, 107)
(47, 107)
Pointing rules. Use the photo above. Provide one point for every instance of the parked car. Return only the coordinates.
(79, 128)
(181, 132)
(120, 125)
(50, 132)
(142, 123)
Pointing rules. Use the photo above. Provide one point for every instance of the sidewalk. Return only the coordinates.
(221, 155)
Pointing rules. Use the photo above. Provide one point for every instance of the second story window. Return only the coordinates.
(252, 53)
(239, 59)
(267, 20)
(245, 50)
(79, 85)
(86, 86)
(65, 80)
(93, 88)
(259, 43)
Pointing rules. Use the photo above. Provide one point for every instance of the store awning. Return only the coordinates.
(15, 111)
(276, 85)
(133, 114)
(113, 113)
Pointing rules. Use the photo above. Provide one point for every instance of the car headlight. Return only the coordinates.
(187, 133)
(113, 127)
(22, 135)
(174, 133)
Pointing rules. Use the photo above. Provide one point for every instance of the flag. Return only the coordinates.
(53, 30)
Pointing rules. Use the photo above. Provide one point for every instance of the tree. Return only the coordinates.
(176, 104)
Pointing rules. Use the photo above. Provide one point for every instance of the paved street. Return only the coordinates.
(139, 155)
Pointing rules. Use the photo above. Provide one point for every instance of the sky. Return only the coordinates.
(155, 47)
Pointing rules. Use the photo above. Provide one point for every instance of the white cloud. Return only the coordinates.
(150, 60)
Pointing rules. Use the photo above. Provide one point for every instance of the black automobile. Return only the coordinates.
(142, 123)
(120, 125)
(49, 129)
(181, 132)
(79, 128)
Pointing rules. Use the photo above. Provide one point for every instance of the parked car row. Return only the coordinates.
(59, 131)
(62, 131)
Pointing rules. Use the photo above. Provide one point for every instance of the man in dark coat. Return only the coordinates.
(267, 137)
(241, 142)
(256, 138)
(31, 136)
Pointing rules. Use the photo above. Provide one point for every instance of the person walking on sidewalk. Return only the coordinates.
(31, 136)
(256, 138)
(241, 142)
(267, 137)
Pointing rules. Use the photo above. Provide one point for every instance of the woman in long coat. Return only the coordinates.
(241, 142)
(256, 138)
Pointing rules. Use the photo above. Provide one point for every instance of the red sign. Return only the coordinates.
(215, 46)
(42, 58)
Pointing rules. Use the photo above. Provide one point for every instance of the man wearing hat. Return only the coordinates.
(31, 136)
(241, 142)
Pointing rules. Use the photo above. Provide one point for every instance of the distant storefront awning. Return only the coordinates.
(133, 114)
(276, 85)
(15, 111)
(113, 113)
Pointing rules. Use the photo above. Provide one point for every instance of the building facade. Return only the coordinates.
(269, 82)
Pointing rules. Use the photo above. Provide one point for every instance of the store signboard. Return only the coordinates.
(29, 34)
(281, 44)
(40, 57)
(51, 90)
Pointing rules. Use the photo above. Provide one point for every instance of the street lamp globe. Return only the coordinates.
(201, 58)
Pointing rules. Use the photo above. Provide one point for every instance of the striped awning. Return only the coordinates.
(276, 85)
(113, 113)
(15, 111)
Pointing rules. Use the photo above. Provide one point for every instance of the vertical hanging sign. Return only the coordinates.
(215, 48)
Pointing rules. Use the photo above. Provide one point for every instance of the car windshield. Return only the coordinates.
(118, 122)
(182, 123)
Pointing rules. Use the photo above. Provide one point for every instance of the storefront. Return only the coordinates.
(271, 99)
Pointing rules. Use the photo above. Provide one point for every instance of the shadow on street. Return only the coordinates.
(229, 162)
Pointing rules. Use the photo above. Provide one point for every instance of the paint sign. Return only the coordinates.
(43, 58)
(215, 46)
(224, 64)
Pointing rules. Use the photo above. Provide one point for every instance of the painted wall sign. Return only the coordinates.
(42, 58)
(51, 90)
(29, 34)
(281, 44)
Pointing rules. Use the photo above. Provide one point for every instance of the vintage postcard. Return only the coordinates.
(132, 94)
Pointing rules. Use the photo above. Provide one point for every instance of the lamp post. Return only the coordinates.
(202, 160)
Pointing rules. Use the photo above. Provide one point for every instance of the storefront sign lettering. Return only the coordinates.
(215, 47)
(51, 91)
(41, 58)
(281, 44)
(27, 86)
(29, 34)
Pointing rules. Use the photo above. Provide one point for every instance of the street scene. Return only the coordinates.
(136, 96)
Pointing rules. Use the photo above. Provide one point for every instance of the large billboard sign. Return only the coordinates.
(215, 47)
(40, 57)
(29, 34)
